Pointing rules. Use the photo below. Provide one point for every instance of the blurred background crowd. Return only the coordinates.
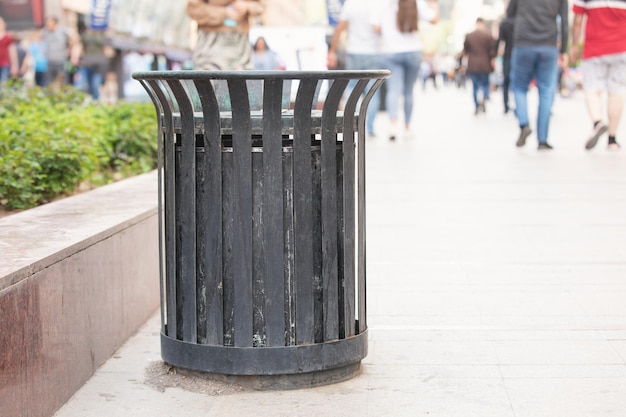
(106, 40)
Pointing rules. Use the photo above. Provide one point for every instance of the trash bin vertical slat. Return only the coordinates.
(187, 214)
(302, 196)
(330, 279)
(349, 207)
(242, 212)
(361, 209)
(170, 212)
(212, 258)
(161, 135)
(273, 212)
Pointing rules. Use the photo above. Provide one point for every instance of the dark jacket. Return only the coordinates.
(479, 47)
(506, 36)
(536, 22)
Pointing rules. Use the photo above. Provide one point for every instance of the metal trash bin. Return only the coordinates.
(262, 219)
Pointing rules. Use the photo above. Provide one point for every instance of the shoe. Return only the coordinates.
(544, 147)
(614, 146)
(483, 107)
(394, 132)
(598, 131)
(523, 135)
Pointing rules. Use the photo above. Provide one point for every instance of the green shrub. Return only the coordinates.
(51, 141)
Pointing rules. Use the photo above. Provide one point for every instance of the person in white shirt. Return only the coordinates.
(362, 47)
(397, 23)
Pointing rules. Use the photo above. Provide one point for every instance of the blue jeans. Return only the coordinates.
(540, 63)
(366, 62)
(91, 81)
(480, 82)
(404, 68)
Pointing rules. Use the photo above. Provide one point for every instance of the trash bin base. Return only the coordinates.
(277, 361)
(278, 382)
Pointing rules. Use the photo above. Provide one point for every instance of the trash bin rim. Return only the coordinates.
(261, 75)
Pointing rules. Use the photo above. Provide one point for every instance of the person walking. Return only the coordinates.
(479, 48)
(91, 57)
(57, 41)
(362, 48)
(505, 36)
(603, 62)
(223, 27)
(397, 23)
(535, 56)
(36, 59)
(8, 54)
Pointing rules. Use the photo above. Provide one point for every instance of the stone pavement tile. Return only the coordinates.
(433, 352)
(602, 301)
(562, 371)
(440, 397)
(567, 397)
(425, 372)
(543, 335)
(556, 352)
(613, 335)
(530, 301)
(453, 302)
(620, 348)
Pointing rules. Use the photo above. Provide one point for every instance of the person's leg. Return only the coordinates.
(595, 75)
(394, 91)
(616, 87)
(4, 74)
(475, 88)
(412, 62)
(506, 83)
(95, 82)
(486, 85)
(372, 62)
(522, 69)
(546, 76)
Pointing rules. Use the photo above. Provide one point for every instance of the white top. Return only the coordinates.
(394, 41)
(361, 37)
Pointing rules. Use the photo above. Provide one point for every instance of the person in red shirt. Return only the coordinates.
(8, 54)
(603, 62)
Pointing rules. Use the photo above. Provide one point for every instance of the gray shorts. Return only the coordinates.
(222, 51)
(605, 73)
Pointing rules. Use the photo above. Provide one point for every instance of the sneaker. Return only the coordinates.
(523, 135)
(483, 106)
(598, 131)
(614, 146)
(545, 147)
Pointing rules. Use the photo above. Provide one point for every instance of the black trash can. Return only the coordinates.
(262, 219)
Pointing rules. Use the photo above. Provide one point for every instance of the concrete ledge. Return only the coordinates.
(77, 279)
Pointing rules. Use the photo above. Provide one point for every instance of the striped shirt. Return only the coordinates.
(605, 31)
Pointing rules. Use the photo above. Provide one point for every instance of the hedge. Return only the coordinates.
(54, 140)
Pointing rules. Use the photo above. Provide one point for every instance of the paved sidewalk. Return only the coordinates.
(496, 283)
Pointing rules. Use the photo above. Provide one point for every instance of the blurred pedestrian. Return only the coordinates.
(362, 47)
(397, 23)
(57, 40)
(36, 59)
(603, 62)
(505, 37)
(223, 27)
(479, 48)
(8, 54)
(264, 58)
(92, 59)
(535, 56)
